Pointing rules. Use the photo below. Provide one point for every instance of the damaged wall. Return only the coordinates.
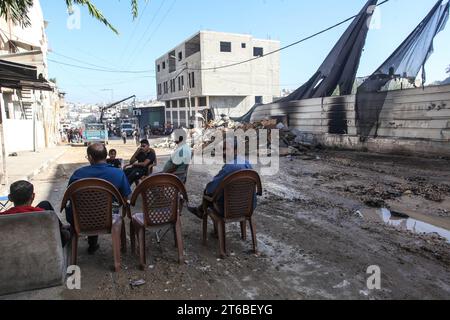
(413, 121)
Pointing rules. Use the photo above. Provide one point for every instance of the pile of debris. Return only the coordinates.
(293, 143)
(168, 143)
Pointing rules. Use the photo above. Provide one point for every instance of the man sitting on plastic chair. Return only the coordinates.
(143, 160)
(230, 167)
(177, 165)
(180, 160)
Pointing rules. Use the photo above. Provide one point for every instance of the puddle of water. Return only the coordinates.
(406, 223)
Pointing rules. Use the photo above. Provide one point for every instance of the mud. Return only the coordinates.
(314, 236)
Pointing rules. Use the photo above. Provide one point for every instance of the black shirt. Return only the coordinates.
(115, 163)
(142, 157)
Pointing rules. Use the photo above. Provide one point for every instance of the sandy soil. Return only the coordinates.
(318, 231)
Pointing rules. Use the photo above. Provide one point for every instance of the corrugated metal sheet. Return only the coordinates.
(410, 114)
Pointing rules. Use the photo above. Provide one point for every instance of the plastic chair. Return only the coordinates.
(161, 198)
(92, 207)
(238, 191)
(4, 203)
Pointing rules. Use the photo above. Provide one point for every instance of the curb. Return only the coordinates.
(44, 166)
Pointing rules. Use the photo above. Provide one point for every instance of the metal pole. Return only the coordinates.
(190, 107)
(2, 138)
(33, 108)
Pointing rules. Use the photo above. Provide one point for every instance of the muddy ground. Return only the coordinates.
(318, 230)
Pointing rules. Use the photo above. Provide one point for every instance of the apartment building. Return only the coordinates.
(196, 76)
(30, 106)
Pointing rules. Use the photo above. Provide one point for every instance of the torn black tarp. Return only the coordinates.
(404, 63)
(339, 68)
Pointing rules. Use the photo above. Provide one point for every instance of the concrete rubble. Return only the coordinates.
(292, 143)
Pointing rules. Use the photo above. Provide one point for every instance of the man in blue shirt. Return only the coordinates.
(99, 169)
(230, 167)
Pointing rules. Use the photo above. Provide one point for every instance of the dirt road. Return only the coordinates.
(318, 232)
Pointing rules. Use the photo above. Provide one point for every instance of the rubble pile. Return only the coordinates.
(292, 143)
(168, 143)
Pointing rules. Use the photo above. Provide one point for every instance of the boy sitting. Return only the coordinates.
(22, 195)
(113, 161)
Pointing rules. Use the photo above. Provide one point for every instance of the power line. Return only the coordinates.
(101, 67)
(159, 25)
(156, 29)
(283, 48)
(87, 88)
(135, 28)
(127, 81)
(97, 69)
(133, 52)
(105, 69)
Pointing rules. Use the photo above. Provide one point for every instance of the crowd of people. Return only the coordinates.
(107, 166)
(73, 135)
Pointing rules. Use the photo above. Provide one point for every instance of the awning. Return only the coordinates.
(20, 76)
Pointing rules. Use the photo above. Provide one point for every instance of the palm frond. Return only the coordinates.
(17, 11)
(134, 8)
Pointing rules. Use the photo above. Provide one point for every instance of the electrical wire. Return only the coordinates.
(135, 28)
(154, 31)
(97, 66)
(283, 48)
(133, 52)
(97, 69)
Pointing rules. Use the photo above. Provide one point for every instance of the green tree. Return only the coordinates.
(17, 11)
(448, 69)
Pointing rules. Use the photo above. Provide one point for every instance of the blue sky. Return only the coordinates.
(166, 23)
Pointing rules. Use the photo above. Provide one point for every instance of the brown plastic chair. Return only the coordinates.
(92, 207)
(161, 198)
(183, 175)
(238, 190)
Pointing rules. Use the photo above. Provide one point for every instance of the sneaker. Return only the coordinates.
(93, 249)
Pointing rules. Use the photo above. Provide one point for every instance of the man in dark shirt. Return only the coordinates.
(99, 169)
(143, 160)
(230, 166)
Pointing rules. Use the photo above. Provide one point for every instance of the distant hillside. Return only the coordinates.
(446, 81)
(439, 83)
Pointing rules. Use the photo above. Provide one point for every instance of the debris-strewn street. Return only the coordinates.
(319, 228)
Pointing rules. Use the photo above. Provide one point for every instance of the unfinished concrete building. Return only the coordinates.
(190, 78)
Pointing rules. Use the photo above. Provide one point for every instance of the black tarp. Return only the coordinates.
(339, 68)
(404, 63)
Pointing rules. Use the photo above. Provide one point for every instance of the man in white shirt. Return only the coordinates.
(180, 160)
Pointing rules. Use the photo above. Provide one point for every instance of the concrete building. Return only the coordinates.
(190, 76)
(31, 108)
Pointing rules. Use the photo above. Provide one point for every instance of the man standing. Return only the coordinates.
(141, 162)
(124, 137)
(137, 136)
(99, 169)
